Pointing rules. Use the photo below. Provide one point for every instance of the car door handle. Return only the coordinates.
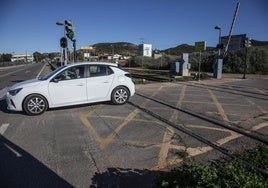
(80, 85)
(105, 82)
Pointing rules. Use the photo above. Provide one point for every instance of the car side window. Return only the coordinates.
(71, 73)
(99, 70)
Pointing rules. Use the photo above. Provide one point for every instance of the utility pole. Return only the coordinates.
(247, 44)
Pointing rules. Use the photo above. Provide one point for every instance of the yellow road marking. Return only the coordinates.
(87, 124)
(105, 141)
(259, 126)
(259, 107)
(219, 106)
(165, 146)
(233, 135)
(123, 118)
(110, 137)
(179, 103)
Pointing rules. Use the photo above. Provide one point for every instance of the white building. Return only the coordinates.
(25, 58)
(146, 50)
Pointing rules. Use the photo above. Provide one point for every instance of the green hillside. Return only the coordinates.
(123, 48)
(129, 49)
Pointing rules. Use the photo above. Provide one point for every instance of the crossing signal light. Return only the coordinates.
(69, 29)
(63, 42)
(248, 42)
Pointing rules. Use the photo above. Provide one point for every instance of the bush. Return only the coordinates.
(221, 173)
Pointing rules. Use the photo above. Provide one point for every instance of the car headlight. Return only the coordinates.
(14, 92)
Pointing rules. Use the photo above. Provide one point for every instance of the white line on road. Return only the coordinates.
(3, 92)
(3, 128)
(41, 70)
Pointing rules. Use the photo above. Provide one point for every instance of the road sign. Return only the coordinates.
(86, 48)
(200, 46)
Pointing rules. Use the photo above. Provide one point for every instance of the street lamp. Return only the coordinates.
(59, 23)
(219, 28)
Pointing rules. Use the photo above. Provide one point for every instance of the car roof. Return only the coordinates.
(93, 63)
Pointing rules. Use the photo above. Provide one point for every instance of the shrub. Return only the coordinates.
(222, 173)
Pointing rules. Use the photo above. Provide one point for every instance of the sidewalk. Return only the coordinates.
(240, 76)
(227, 77)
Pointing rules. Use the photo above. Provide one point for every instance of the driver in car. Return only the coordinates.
(77, 72)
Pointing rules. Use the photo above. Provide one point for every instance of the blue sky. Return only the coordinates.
(31, 24)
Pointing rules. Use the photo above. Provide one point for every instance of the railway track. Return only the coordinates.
(152, 78)
(214, 122)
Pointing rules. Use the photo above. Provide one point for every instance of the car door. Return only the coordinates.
(68, 87)
(99, 82)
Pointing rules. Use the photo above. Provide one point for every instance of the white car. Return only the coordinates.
(73, 84)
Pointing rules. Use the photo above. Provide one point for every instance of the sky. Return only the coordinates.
(30, 25)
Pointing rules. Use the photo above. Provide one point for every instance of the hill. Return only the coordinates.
(129, 49)
(183, 48)
(123, 48)
(259, 43)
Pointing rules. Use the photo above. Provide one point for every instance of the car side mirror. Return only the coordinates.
(55, 80)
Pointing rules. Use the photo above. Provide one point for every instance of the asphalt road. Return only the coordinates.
(109, 146)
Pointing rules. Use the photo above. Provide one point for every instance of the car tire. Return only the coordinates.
(120, 95)
(35, 104)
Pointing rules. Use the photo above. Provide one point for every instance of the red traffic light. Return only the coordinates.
(63, 42)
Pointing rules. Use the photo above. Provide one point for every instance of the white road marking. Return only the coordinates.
(13, 150)
(41, 71)
(3, 128)
(3, 92)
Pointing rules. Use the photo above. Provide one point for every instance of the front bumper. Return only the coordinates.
(13, 103)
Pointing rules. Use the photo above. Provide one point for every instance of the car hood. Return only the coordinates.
(27, 83)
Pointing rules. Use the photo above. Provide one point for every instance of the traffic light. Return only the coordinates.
(69, 29)
(248, 42)
(63, 42)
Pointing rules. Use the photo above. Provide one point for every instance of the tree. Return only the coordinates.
(258, 61)
(37, 56)
(6, 57)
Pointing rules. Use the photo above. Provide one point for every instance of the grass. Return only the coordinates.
(222, 173)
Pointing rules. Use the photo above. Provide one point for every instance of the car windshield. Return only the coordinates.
(52, 73)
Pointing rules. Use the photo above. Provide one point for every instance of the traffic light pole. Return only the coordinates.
(68, 33)
(65, 50)
(74, 52)
(245, 63)
(65, 56)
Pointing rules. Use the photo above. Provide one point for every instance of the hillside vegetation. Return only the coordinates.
(123, 48)
(234, 62)
(256, 57)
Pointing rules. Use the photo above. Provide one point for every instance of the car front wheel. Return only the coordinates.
(35, 104)
(120, 95)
